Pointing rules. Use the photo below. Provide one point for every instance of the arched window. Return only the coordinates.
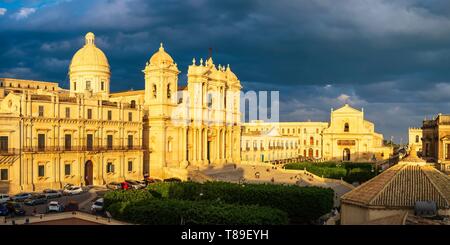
(304, 153)
(311, 140)
(168, 91)
(88, 85)
(346, 127)
(154, 91)
(209, 100)
(417, 138)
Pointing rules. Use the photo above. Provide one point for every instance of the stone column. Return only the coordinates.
(205, 148)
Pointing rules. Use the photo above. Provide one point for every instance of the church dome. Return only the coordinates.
(161, 57)
(89, 57)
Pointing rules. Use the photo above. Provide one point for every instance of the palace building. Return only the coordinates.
(268, 146)
(436, 141)
(347, 137)
(86, 135)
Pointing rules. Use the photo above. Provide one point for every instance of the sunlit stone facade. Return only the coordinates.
(51, 136)
(415, 138)
(85, 135)
(347, 137)
(436, 141)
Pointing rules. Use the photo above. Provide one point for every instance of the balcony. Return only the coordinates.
(9, 152)
(54, 149)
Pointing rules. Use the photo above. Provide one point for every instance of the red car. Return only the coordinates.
(125, 186)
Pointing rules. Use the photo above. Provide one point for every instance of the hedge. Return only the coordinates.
(350, 172)
(302, 204)
(116, 196)
(175, 212)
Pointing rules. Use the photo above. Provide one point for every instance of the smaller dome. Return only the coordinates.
(161, 57)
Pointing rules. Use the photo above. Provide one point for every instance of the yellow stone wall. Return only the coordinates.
(327, 141)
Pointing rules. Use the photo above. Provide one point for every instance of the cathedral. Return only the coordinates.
(86, 135)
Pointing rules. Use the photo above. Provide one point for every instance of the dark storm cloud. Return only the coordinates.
(390, 57)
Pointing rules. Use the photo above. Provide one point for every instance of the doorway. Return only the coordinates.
(346, 155)
(311, 153)
(88, 172)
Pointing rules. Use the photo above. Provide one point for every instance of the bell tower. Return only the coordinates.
(161, 78)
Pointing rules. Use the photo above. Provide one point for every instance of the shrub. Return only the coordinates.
(116, 196)
(349, 171)
(302, 204)
(174, 212)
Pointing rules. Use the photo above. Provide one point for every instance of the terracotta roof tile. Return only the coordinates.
(401, 186)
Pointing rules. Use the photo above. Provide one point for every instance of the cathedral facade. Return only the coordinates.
(86, 135)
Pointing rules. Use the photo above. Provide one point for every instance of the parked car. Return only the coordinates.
(4, 198)
(153, 180)
(71, 206)
(114, 186)
(21, 197)
(97, 206)
(15, 208)
(54, 206)
(74, 190)
(3, 210)
(172, 180)
(135, 184)
(36, 200)
(67, 186)
(49, 193)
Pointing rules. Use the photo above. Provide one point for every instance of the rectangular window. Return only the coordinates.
(67, 142)
(41, 171)
(110, 168)
(130, 141)
(41, 110)
(103, 86)
(88, 85)
(67, 112)
(130, 116)
(3, 143)
(41, 142)
(90, 142)
(74, 86)
(109, 142)
(130, 166)
(67, 169)
(4, 174)
(448, 152)
(89, 113)
(109, 115)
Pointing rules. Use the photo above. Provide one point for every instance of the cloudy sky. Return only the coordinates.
(391, 58)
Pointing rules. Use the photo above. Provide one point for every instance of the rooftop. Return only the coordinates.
(402, 185)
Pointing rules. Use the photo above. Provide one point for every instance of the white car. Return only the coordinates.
(54, 206)
(97, 205)
(74, 190)
(49, 193)
(4, 198)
